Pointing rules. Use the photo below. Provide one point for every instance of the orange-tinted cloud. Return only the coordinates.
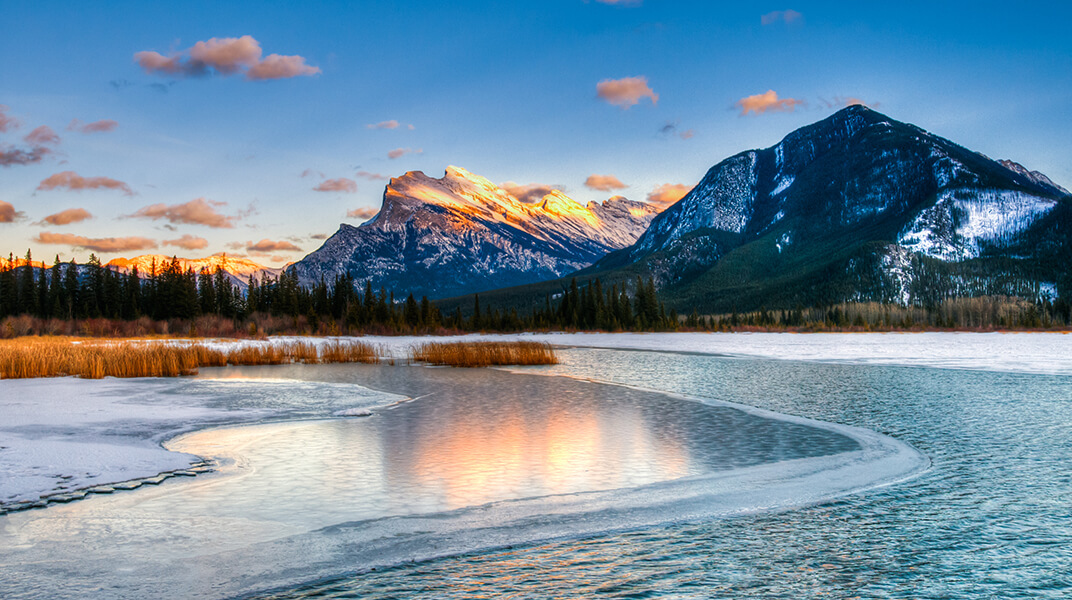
(7, 123)
(787, 16)
(94, 127)
(398, 152)
(195, 212)
(75, 182)
(225, 56)
(276, 66)
(767, 102)
(392, 124)
(372, 176)
(42, 136)
(266, 246)
(604, 183)
(341, 184)
(188, 242)
(626, 92)
(671, 129)
(112, 244)
(66, 217)
(668, 193)
(8, 214)
(531, 193)
(362, 213)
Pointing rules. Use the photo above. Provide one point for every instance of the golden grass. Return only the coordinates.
(57, 357)
(484, 354)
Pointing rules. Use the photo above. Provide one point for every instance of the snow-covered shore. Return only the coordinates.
(63, 434)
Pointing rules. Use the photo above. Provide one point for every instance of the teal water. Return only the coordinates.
(991, 518)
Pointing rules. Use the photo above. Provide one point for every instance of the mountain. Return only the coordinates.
(857, 207)
(461, 234)
(237, 269)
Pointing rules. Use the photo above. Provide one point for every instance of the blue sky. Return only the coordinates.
(505, 90)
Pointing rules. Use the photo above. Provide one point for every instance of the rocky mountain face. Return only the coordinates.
(857, 207)
(461, 234)
(238, 270)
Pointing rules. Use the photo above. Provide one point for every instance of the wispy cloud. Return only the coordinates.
(668, 193)
(7, 122)
(188, 242)
(224, 56)
(10, 155)
(372, 176)
(626, 92)
(671, 129)
(42, 136)
(767, 102)
(74, 182)
(266, 246)
(195, 212)
(392, 124)
(781, 16)
(604, 183)
(342, 184)
(399, 152)
(842, 102)
(66, 217)
(319, 236)
(112, 244)
(363, 212)
(529, 193)
(310, 173)
(8, 214)
(95, 127)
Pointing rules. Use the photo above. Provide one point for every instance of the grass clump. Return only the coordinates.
(484, 354)
(58, 357)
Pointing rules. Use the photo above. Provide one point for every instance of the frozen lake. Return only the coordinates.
(541, 482)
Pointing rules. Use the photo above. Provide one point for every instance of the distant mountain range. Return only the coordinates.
(857, 207)
(461, 234)
(238, 270)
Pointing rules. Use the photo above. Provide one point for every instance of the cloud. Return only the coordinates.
(265, 246)
(531, 193)
(42, 136)
(398, 152)
(10, 155)
(8, 214)
(112, 244)
(188, 242)
(66, 217)
(363, 212)
(319, 236)
(392, 124)
(224, 56)
(195, 212)
(787, 16)
(7, 123)
(767, 102)
(671, 129)
(276, 66)
(310, 173)
(372, 176)
(341, 184)
(75, 182)
(626, 92)
(668, 193)
(94, 127)
(842, 102)
(604, 183)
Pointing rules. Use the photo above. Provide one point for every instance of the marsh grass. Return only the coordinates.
(484, 354)
(93, 359)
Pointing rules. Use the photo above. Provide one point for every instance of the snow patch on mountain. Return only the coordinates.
(963, 220)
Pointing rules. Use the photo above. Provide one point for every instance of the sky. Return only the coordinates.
(256, 128)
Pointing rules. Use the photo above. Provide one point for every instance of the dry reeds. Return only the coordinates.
(56, 357)
(484, 354)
